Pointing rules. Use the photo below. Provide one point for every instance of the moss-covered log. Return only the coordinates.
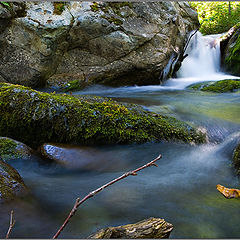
(228, 85)
(34, 118)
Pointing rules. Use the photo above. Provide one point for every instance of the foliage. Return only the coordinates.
(6, 4)
(217, 17)
(59, 7)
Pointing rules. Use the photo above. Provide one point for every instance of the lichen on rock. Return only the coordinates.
(35, 118)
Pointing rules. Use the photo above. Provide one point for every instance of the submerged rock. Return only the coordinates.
(35, 118)
(228, 85)
(11, 183)
(116, 43)
(236, 159)
(231, 51)
(148, 228)
(76, 157)
(12, 149)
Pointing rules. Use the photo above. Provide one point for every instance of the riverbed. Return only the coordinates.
(182, 190)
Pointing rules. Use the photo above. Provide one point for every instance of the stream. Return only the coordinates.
(182, 190)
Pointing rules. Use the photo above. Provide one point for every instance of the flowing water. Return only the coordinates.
(182, 190)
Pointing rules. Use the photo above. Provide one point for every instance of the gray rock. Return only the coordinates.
(11, 183)
(148, 228)
(110, 43)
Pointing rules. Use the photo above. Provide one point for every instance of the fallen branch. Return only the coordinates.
(93, 193)
(11, 225)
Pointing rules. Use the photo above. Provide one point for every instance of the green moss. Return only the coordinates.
(36, 118)
(7, 147)
(59, 7)
(72, 86)
(233, 60)
(6, 4)
(236, 159)
(110, 6)
(114, 20)
(95, 7)
(227, 85)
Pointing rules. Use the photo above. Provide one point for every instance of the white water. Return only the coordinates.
(201, 64)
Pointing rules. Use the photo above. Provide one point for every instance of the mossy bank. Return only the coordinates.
(228, 85)
(34, 118)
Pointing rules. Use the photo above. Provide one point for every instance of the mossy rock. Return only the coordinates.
(11, 183)
(232, 57)
(228, 85)
(35, 118)
(236, 159)
(11, 149)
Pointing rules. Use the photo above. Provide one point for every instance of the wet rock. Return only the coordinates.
(231, 51)
(236, 159)
(11, 183)
(11, 149)
(228, 192)
(84, 157)
(36, 118)
(228, 85)
(110, 43)
(148, 228)
(71, 157)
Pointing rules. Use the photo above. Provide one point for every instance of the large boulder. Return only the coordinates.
(11, 149)
(35, 118)
(148, 228)
(231, 50)
(11, 183)
(115, 43)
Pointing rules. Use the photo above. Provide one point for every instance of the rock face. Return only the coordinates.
(11, 149)
(236, 159)
(35, 118)
(148, 228)
(117, 43)
(231, 51)
(11, 184)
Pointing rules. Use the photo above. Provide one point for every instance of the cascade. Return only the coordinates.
(201, 64)
(203, 56)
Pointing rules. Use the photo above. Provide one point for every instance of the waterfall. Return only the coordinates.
(201, 64)
(203, 56)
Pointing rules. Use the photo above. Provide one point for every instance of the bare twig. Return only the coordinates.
(11, 225)
(93, 193)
